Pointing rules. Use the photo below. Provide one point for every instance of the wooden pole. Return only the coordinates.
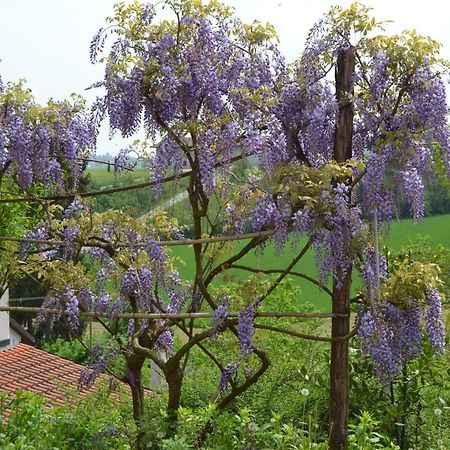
(339, 370)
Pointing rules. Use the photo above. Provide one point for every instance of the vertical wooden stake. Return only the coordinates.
(339, 370)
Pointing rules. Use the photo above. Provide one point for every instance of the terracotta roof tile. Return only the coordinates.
(30, 369)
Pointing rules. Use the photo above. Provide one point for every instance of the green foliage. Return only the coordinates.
(243, 429)
(413, 410)
(59, 273)
(15, 220)
(363, 434)
(423, 251)
(409, 280)
(72, 350)
(305, 184)
(93, 423)
(21, 96)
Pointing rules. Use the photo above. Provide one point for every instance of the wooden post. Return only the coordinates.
(339, 370)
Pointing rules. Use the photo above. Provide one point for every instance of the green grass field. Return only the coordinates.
(101, 176)
(402, 233)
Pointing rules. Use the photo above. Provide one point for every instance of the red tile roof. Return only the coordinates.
(30, 369)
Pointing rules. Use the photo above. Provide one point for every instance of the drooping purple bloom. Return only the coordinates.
(74, 209)
(70, 236)
(100, 357)
(218, 320)
(414, 191)
(228, 373)
(391, 336)
(372, 277)
(122, 161)
(72, 309)
(145, 294)
(245, 328)
(41, 233)
(165, 340)
(130, 328)
(433, 321)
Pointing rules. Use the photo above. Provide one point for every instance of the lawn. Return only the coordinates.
(437, 228)
(102, 177)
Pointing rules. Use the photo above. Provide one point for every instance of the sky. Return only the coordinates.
(46, 42)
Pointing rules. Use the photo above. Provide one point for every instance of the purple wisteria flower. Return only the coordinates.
(42, 143)
(41, 233)
(99, 360)
(372, 277)
(130, 328)
(72, 309)
(245, 328)
(70, 236)
(433, 321)
(103, 303)
(165, 341)
(218, 320)
(228, 373)
(122, 161)
(74, 209)
(414, 191)
(391, 336)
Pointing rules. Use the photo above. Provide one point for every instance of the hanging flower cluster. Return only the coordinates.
(124, 257)
(187, 81)
(38, 142)
(391, 330)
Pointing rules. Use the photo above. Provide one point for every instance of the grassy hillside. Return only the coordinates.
(134, 202)
(401, 233)
(437, 228)
(101, 176)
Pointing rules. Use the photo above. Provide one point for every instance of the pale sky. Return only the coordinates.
(47, 41)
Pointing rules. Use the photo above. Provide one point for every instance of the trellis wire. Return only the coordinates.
(235, 237)
(128, 187)
(198, 315)
(26, 299)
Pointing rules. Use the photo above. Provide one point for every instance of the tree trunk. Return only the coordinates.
(339, 370)
(133, 377)
(174, 380)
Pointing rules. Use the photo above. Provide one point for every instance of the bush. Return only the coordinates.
(91, 423)
(72, 350)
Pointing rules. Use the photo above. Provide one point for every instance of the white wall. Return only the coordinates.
(4, 318)
(14, 338)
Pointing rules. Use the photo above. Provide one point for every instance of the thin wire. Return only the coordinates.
(173, 243)
(127, 187)
(26, 299)
(201, 315)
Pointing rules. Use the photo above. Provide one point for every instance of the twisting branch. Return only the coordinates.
(189, 334)
(306, 336)
(226, 264)
(269, 271)
(358, 178)
(236, 390)
(287, 270)
(147, 353)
